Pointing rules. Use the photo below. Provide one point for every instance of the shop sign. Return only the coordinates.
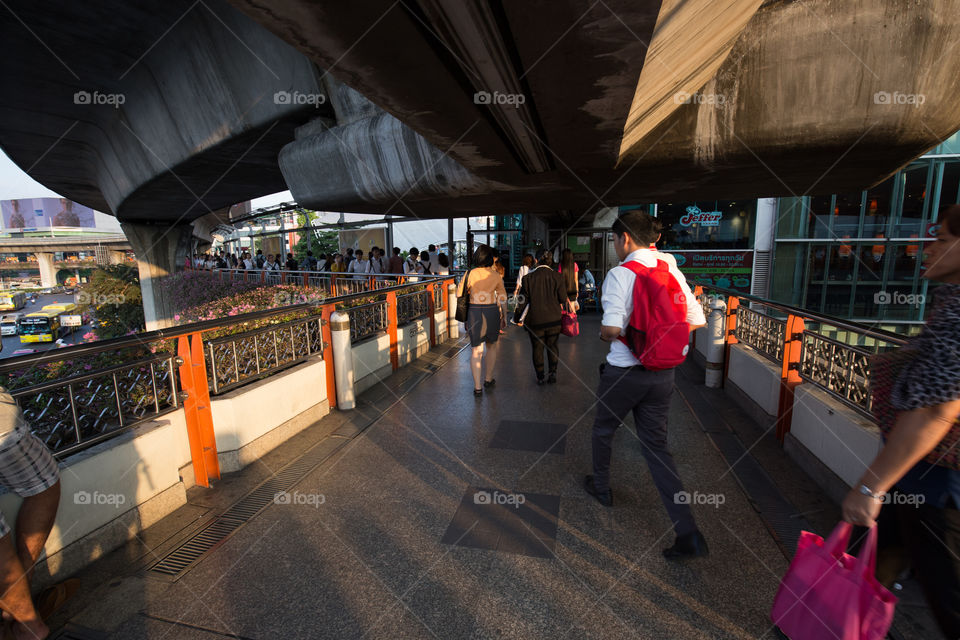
(705, 218)
(727, 269)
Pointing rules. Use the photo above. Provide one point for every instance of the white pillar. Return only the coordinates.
(453, 326)
(716, 330)
(342, 359)
(48, 271)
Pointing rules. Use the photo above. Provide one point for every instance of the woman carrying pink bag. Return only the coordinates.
(916, 400)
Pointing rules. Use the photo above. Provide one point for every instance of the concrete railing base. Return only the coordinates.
(237, 459)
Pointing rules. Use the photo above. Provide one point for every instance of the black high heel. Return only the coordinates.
(478, 392)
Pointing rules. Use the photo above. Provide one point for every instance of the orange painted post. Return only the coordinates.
(431, 293)
(730, 337)
(392, 328)
(325, 312)
(333, 285)
(196, 406)
(789, 373)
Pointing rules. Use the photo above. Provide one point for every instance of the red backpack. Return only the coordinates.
(658, 334)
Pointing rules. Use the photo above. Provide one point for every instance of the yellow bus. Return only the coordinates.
(41, 326)
(12, 300)
(60, 307)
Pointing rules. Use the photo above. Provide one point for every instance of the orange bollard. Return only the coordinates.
(196, 406)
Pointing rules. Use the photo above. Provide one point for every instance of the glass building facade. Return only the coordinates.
(857, 255)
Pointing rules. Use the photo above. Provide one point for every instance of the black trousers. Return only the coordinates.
(540, 340)
(647, 395)
(932, 538)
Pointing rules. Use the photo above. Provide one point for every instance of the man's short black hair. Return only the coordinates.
(643, 228)
(414, 252)
(483, 256)
(432, 247)
(396, 251)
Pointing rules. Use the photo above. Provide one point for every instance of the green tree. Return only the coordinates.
(112, 298)
(314, 239)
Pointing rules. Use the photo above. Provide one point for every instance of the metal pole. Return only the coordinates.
(450, 246)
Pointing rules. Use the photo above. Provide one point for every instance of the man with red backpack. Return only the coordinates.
(648, 312)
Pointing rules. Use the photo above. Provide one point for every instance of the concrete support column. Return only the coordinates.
(453, 326)
(716, 343)
(160, 250)
(48, 272)
(342, 359)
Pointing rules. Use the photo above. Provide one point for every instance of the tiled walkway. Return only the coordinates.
(435, 514)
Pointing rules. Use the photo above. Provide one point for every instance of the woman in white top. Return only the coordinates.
(444, 265)
(359, 265)
(525, 266)
(247, 262)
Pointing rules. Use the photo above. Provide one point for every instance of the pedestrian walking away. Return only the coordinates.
(628, 386)
(542, 297)
(486, 316)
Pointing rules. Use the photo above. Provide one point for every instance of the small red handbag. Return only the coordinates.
(569, 325)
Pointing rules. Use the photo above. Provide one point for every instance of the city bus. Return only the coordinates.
(40, 326)
(60, 307)
(12, 300)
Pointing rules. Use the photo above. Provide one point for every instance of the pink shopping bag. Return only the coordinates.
(827, 593)
(569, 325)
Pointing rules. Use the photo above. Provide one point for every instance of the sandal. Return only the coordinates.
(478, 392)
(51, 599)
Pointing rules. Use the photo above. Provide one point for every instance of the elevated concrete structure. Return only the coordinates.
(115, 242)
(459, 107)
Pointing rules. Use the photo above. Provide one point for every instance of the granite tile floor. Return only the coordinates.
(431, 519)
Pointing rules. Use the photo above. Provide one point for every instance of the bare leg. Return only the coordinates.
(491, 359)
(476, 365)
(34, 522)
(16, 594)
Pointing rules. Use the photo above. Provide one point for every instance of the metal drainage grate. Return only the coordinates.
(191, 550)
(204, 541)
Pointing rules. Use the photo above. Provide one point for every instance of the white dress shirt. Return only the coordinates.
(618, 301)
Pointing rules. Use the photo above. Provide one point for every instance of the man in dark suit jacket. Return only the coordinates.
(542, 296)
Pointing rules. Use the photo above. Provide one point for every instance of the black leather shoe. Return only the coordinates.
(490, 383)
(540, 381)
(605, 498)
(552, 379)
(690, 545)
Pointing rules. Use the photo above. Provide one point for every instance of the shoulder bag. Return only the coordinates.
(463, 301)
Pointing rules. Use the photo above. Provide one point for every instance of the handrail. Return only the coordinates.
(140, 339)
(840, 323)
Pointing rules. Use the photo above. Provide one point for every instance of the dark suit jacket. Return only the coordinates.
(542, 293)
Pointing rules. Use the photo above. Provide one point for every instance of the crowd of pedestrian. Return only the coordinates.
(354, 261)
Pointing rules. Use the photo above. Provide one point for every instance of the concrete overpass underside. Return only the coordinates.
(386, 105)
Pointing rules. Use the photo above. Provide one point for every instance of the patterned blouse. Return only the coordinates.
(924, 373)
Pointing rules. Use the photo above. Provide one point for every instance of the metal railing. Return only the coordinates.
(367, 320)
(77, 396)
(411, 306)
(82, 411)
(762, 332)
(236, 359)
(838, 364)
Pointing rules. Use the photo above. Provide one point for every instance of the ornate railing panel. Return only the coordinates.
(839, 369)
(439, 295)
(411, 306)
(69, 415)
(367, 320)
(239, 358)
(762, 332)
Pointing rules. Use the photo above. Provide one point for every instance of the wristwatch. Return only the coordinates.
(876, 495)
